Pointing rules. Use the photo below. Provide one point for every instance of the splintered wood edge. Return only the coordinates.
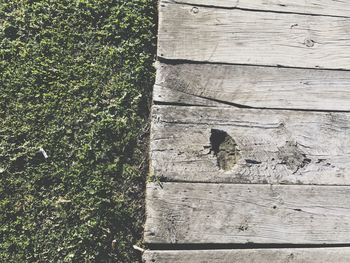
(195, 213)
(294, 255)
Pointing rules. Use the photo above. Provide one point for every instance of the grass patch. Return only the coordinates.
(75, 80)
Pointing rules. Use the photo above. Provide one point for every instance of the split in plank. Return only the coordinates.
(253, 86)
(173, 97)
(297, 255)
(256, 38)
(314, 7)
(212, 144)
(194, 213)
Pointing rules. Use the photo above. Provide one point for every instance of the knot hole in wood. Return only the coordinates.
(224, 147)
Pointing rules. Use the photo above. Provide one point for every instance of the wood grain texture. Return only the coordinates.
(309, 255)
(286, 147)
(166, 95)
(315, 7)
(253, 86)
(192, 213)
(210, 34)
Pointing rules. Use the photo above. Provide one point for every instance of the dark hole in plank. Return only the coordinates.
(224, 147)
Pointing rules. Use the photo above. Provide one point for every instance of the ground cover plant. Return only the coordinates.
(75, 84)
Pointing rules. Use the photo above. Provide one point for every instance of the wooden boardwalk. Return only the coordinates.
(250, 138)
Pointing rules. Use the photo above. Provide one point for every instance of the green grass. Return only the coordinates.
(75, 80)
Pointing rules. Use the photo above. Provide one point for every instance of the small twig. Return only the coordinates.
(138, 248)
(42, 151)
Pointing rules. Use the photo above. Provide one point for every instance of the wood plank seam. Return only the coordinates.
(177, 61)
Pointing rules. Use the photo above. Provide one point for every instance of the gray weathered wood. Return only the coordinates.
(258, 54)
(297, 255)
(253, 86)
(257, 38)
(315, 7)
(288, 147)
(166, 95)
(187, 213)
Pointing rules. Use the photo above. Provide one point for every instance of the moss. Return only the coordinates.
(75, 80)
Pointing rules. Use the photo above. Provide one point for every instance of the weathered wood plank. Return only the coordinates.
(315, 7)
(254, 86)
(262, 146)
(256, 38)
(297, 255)
(191, 213)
